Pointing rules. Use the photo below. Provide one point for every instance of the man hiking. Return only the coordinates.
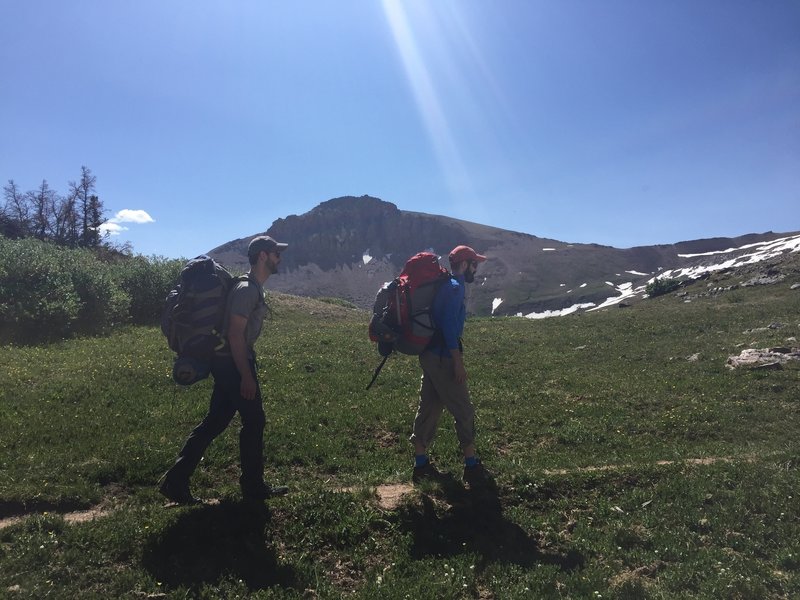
(444, 377)
(236, 386)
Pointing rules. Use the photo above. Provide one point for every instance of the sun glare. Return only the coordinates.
(426, 95)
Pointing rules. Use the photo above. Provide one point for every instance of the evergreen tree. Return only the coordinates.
(43, 201)
(93, 236)
(72, 221)
(16, 211)
(83, 191)
(66, 221)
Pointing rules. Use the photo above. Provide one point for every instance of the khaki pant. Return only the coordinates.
(438, 391)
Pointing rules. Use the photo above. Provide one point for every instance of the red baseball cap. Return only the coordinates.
(460, 253)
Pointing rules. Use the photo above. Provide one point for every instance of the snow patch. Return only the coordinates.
(559, 313)
(728, 251)
(765, 251)
(548, 249)
(761, 251)
(495, 303)
(625, 290)
(366, 257)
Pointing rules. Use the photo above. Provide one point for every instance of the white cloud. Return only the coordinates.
(111, 228)
(126, 215)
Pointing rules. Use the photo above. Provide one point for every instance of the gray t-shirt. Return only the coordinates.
(247, 299)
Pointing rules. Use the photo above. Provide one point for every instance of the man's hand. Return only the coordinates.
(248, 388)
(236, 331)
(459, 371)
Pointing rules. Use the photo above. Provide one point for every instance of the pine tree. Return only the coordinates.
(43, 203)
(83, 191)
(16, 211)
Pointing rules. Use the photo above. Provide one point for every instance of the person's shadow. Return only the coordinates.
(473, 522)
(209, 542)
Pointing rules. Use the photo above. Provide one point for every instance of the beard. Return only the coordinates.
(469, 276)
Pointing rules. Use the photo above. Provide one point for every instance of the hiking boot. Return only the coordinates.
(477, 476)
(426, 472)
(265, 492)
(177, 494)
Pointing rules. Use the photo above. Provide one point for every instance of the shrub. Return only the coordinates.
(49, 292)
(147, 281)
(103, 303)
(660, 287)
(37, 297)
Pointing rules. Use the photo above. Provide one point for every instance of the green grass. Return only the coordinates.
(624, 470)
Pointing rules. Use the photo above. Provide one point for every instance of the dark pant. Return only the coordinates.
(225, 402)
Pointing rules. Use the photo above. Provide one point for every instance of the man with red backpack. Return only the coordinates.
(444, 376)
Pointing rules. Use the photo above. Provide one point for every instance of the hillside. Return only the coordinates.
(630, 460)
(346, 247)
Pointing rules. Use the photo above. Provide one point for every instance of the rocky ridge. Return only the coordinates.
(346, 247)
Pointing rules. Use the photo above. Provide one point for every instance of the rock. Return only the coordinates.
(773, 366)
(795, 286)
(694, 357)
(764, 358)
(764, 280)
(755, 330)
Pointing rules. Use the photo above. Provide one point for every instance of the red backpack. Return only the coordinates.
(401, 315)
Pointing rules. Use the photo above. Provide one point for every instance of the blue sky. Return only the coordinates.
(620, 122)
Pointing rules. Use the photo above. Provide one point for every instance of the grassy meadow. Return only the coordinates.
(629, 463)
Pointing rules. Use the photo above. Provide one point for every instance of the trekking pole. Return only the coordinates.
(378, 370)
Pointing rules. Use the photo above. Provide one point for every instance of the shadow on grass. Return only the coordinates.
(473, 522)
(209, 543)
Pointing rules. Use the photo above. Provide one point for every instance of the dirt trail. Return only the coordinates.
(389, 495)
(76, 516)
(709, 460)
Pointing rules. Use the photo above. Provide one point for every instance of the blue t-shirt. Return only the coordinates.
(449, 314)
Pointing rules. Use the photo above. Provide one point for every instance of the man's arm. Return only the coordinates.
(448, 304)
(236, 339)
(451, 327)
